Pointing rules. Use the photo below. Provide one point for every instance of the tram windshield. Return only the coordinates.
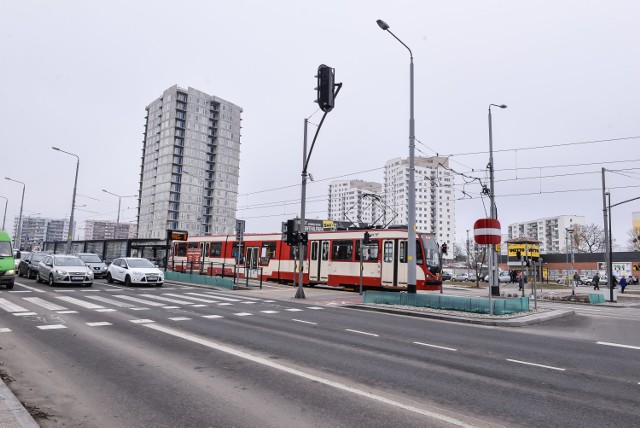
(432, 254)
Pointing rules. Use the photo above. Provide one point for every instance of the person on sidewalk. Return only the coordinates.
(614, 281)
(596, 282)
(576, 279)
(520, 281)
(623, 284)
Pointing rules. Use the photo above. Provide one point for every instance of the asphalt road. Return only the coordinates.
(183, 356)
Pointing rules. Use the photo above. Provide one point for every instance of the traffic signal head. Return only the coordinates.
(291, 231)
(444, 248)
(304, 238)
(367, 238)
(326, 82)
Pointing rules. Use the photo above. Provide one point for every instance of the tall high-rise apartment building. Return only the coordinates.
(435, 198)
(190, 164)
(356, 201)
(36, 230)
(550, 231)
(105, 229)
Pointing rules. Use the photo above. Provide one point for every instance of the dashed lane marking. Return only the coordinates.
(314, 307)
(304, 322)
(362, 332)
(225, 304)
(536, 365)
(435, 346)
(294, 310)
(5, 330)
(141, 321)
(180, 319)
(23, 314)
(66, 312)
(243, 314)
(51, 326)
(212, 316)
(98, 324)
(270, 312)
(106, 310)
(618, 345)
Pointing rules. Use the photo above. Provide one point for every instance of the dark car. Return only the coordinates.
(446, 276)
(29, 264)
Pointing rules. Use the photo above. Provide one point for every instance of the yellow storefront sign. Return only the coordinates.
(526, 250)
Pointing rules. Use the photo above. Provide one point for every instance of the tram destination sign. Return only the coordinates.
(177, 235)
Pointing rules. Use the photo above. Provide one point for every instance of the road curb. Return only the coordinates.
(504, 322)
(12, 412)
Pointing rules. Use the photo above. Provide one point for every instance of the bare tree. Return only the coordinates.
(459, 252)
(476, 258)
(634, 238)
(589, 238)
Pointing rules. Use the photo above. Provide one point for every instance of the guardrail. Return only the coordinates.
(223, 270)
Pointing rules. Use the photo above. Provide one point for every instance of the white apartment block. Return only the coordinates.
(103, 229)
(435, 197)
(190, 165)
(36, 230)
(357, 201)
(551, 231)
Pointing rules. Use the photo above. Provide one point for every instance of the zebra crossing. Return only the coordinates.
(63, 303)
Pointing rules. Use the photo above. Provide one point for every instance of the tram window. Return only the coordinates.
(268, 252)
(314, 251)
(342, 250)
(325, 250)
(216, 249)
(193, 245)
(235, 251)
(369, 252)
(181, 249)
(419, 256)
(403, 252)
(388, 252)
(293, 252)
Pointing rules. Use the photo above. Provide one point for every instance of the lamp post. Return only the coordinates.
(411, 257)
(117, 231)
(6, 202)
(16, 239)
(73, 199)
(569, 231)
(494, 212)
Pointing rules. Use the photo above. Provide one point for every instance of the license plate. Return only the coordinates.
(77, 278)
(152, 278)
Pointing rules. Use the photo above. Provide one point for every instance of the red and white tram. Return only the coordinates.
(331, 258)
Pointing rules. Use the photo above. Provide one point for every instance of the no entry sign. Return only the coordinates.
(487, 231)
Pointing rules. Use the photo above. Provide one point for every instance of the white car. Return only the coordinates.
(133, 270)
(460, 277)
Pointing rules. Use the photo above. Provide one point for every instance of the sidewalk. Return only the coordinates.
(12, 412)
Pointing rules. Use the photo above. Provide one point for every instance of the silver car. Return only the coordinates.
(95, 263)
(133, 270)
(61, 269)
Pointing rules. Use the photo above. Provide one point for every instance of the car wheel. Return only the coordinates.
(38, 277)
(52, 283)
(127, 281)
(109, 278)
(28, 275)
(20, 273)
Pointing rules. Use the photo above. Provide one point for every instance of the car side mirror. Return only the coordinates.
(18, 253)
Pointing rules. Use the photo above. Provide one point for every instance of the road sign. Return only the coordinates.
(487, 231)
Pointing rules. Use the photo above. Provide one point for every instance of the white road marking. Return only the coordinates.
(269, 301)
(293, 310)
(243, 314)
(135, 299)
(98, 324)
(51, 326)
(618, 345)
(199, 306)
(300, 373)
(166, 299)
(141, 321)
(270, 312)
(43, 303)
(314, 307)
(225, 304)
(11, 307)
(361, 332)
(248, 303)
(304, 322)
(139, 309)
(79, 302)
(179, 319)
(212, 316)
(216, 296)
(65, 291)
(197, 299)
(67, 312)
(37, 290)
(23, 314)
(536, 365)
(106, 310)
(20, 291)
(171, 307)
(435, 346)
(5, 330)
(111, 301)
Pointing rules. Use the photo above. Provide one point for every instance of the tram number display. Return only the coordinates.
(178, 235)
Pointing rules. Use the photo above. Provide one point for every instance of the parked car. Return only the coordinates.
(62, 269)
(461, 277)
(96, 264)
(446, 275)
(603, 280)
(133, 270)
(504, 276)
(473, 277)
(29, 264)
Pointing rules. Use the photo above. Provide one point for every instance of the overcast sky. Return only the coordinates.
(78, 75)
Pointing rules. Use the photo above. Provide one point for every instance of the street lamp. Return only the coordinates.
(6, 202)
(411, 226)
(73, 199)
(16, 239)
(494, 212)
(569, 276)
(119, 200)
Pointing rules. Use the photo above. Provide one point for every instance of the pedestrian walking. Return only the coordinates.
(623, 284)
(520, 282)
(596, 282)
(576, 279)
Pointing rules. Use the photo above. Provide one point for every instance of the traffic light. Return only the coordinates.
(444, 248)
(367, 238)
(326, 82)
(304, 238)
(291, 232)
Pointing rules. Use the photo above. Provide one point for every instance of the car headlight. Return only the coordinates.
(89, 272)
(61, 272)
(11, 272)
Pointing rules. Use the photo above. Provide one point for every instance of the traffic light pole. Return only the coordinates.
(303, 196)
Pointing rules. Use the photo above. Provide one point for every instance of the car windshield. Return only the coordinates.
(37, 257)
(68, 261)
(140, 263)
(5, 249)
(91, 258)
